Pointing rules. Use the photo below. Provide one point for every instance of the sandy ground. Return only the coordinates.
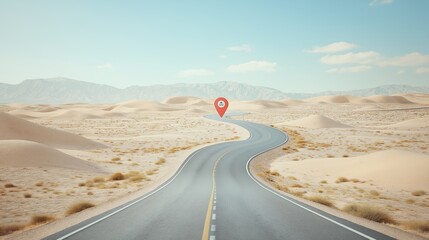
(353, 152)
(346, 150)
(52, 157)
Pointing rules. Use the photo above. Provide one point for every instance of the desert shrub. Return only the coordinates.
(341, 180)
(9, 185)
(38, 219)
(8, 229)
(370, 213)
(160, 161)
(78, 207)
(422, 226)
(117, 176)
(418, 193)
(27, 195)
(320, 199)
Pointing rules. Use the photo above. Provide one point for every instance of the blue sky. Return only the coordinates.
(294, 46)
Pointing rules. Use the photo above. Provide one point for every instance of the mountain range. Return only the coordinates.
(64, 90)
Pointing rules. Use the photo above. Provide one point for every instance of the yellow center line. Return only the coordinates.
(210, 207)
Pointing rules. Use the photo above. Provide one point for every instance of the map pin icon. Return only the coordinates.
(221, 104)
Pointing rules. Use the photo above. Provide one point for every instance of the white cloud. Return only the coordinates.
(408, 60)
(380, 2)
(241, 48)
(354, 69)
(333, 47)
(105, 66)
(351, 58)
(422, 70)
(195, 73)
(253, 66)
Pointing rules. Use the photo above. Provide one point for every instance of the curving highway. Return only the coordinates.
(213, 196)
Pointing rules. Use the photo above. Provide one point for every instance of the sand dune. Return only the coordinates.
(186, 100)
(256, 105)
(13, 128)
(413, 123)
(316, 121)
(359, 100)
(389, 99)
(395, 169)
(419, 98)
(339, 99)
(21, 153)
(138, 105)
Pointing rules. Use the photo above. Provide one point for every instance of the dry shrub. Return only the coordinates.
(422, 226)
(320, 199)
(82, 184)
(292, 178)
(418, 193)
(370, 213)
(98, 179)
(39, 219)
(116, 159)
(39, 184)
(78, 207)
(160, 161)
(410, 201)
(9, 185)
(323, 182)
(117, 176)
(150, 172)
(355, 180)
(5, 230)
(341, 180)
(374, 193)
(296, 185)
(27, 195)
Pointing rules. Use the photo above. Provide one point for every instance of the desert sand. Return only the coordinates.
(52, 157)
(343, 149)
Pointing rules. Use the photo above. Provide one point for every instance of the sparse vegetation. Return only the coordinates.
(5, 230)
(39, 184)
(418, 193)
(9, 185)
(116, 159)
(78, 207)
(117, 176)
(27, 195)
(160, 161)
(369, 212)
(320, 199)
(342, 180)
(422, 226)
(39, 219)
(323, 182)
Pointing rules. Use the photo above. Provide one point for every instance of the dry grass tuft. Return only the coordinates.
(418, 193)
(39, 184)
(99, 180)
(323, 182)
(5, 230)
(320, 199)
(370, 213)
(78, 207)
(39, 219)
(160, 161)
(296, 185)
(341, 180)
(9, 185)
(116, 159)
(117, 176)
(422, 226)
(27, 195)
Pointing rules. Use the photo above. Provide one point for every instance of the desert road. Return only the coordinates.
(213, 196)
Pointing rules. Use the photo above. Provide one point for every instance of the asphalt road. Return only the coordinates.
(213, 196)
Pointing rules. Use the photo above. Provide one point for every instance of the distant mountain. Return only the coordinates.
(64, 90)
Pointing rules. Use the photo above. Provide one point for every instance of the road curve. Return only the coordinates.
(213, 196)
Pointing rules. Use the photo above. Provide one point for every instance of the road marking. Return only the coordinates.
(212, 237)
(213, 228)
(211, 202)
(137, 200)
(214, 208)
(296, 203)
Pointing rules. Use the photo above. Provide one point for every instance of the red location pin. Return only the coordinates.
(221, 104)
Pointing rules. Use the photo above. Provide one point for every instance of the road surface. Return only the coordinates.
(213, 196)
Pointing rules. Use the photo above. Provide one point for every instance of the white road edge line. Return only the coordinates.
(293, 202)
(136, 201)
